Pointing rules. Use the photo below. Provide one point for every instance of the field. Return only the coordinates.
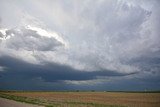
(86, 99)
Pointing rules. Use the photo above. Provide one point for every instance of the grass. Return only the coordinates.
(48, 103)
(21, 99)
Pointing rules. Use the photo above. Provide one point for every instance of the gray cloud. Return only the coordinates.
(90, 40)
(51, 71)
(30, 40)
(18, 70)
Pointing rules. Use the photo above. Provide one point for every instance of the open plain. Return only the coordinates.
(86, 99)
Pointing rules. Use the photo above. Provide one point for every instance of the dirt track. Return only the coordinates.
(11, 103)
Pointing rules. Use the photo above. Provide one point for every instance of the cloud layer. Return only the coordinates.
(80, 44)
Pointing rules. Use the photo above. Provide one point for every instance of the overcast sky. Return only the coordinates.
(80, 44)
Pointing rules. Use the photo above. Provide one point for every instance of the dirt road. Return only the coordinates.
(11, 103)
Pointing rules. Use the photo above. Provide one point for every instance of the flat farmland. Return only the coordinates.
(86, 99)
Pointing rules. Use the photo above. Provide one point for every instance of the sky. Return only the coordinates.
(80, 45)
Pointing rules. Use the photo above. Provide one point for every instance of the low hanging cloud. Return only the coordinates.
(74, 42)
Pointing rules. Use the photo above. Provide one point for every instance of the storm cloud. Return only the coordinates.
(80, 44)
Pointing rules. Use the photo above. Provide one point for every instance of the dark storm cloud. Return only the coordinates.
(18, 73)
(50, 71)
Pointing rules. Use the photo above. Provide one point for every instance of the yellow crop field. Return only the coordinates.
(86, 99)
